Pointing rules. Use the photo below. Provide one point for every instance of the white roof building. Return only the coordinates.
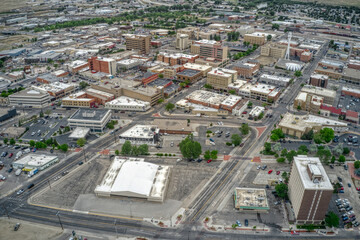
(141, 134)
(32, 161)
(133, 177)
(128, 104)
(79, 132)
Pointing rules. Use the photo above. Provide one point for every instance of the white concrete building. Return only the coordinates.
(128, 63)
(275, 80)
(96, 120)
(33, 161)
(256, 111)
(141, 134)
(132, 177)
(30, 98)
(128, 104)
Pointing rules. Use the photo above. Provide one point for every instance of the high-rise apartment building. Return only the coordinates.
(138, 42)
(105, 65)
(310, 190)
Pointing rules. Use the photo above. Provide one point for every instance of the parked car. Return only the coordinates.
(270, 171)
(17, 226)
(246, 222)
(277, 172)
(209, 161)
(238, 223)
(20, 191)
(11, 154)
(349, 185)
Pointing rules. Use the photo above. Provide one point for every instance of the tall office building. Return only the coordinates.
(310, 190)
(182, 41)
(100, 64)
(216, 51)
(138, 42)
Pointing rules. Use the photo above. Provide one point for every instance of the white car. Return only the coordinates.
(20, 191)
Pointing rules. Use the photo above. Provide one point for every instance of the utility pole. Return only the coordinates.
(115, 228)
(49, 183)
(58, 214)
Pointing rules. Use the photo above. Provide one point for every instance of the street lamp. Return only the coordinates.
(58, 214)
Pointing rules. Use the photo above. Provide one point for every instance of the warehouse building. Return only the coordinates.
(275, 80)
(132, 177)
(33, 161)
(6, 114)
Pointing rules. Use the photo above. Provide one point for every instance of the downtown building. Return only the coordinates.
(138, 42)
(310, 190)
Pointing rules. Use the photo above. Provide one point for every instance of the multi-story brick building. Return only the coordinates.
(220, 78)
(105, 65)
(310, 190)
(76, 66)
(148, 77)
(176, 59)
(189, 75)
(203, 68)
(319, 80)
(354, 64)
(247, 69)
(138, 42)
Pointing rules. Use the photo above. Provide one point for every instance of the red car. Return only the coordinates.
(270, 171)
(209, 161)
(358, 189)
(277, 172)
(342, 188)
(11, 154)
(244, 112)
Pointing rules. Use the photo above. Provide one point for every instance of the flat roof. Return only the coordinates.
(302, 162)
(36, 160)
(141, 131)
(127, 101)
(207, 97)
(319, 91)
(195, 66)
(251, 198)
(189, 72)
(79, 132)
(353, 90)
(275, 78)
(134, 177)
(93, 115)
(351, 72)
(222, 72)
(231, 100)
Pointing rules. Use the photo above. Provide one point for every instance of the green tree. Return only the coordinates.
(303, 149)
(290, 155)
(160, 101)
(277, 147)
(126, 148)
(357, 164)
(208, 86)
(250, 104)
(308, 136)
(267, 147)
(161, 75)
(245, 129)
(282, 190)
(342, 159)
(327, 134)
(169, 107)
(32, 143)
(317, 138)
(143, 149)
(275, 26)
(64, 147)
(41, 114)
(280, 160)
(236, 139)
(83, 84)
(189, 148)
(110, 125)
(346, 151)
(332, 220)
(313, 148)
(299, 107)
(284, 152)
(117, 152)
(213, 154)
(268, 37)
(81, 142)
(134, 150)
(207, 155)
(232, 91)
(6, 140)
(298, 73)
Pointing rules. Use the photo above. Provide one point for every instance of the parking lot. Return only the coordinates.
(43, 128)
(349, 103)
(12, 181)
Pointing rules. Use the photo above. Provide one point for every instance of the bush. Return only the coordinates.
(228, 143)
(166, 154)
(208, 131)
(280, 160)
(346, 150)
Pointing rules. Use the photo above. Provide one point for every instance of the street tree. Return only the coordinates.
(12, 141)
(126, 148)
(6, 140)
(31, 143)
(245, 129)
(64, 147)
(342, 158)
(332, 220)
(298, 73)
(236, 139)
(207, 155)
(213, 154)
(338, 149)
(282, 190)
(357, 164)
(117, 152)
(47, 112)
(189, 148)
(290, 155)
(81, 142)
(134, 150)
(169, 107)
(346, 150)
(313, 148)
(143, 149)
(280, 160)
(327, 134)
(269, 37)
(284, 152)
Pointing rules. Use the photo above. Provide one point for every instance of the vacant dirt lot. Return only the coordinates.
(27, 231)
(337, 2)
(6, 43)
